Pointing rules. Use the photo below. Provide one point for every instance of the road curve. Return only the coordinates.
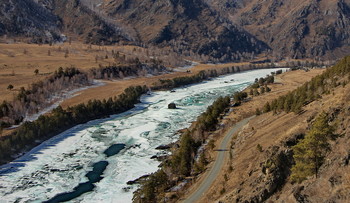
(218, 163)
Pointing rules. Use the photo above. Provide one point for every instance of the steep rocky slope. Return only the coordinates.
(187, 26)
(49, 20)
(29, 19)
(81, 22)
(210, 30)
(296, 29)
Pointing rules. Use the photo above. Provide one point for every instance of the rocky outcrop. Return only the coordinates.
(272, 175)
(333, 181)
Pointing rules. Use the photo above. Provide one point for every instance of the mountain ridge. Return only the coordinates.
(208, 29)
(297, 29)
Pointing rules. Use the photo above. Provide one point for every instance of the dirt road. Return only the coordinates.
(213, 172)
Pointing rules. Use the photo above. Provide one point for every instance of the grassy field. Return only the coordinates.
(19, 61)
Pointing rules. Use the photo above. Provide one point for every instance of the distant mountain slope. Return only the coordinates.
(78, 20)
(187, 26)
(298, 28)
(29, 19)
(212, 30)
(46, 20)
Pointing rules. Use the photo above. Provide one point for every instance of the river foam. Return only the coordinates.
(60, 164)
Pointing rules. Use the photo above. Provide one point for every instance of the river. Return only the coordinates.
(93, 162)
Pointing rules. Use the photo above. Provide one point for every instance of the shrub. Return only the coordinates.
(10, 87)
(257, 112)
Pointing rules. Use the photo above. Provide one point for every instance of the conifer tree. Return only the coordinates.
(310, 152)
(267, 107)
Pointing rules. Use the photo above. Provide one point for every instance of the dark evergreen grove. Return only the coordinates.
(186, 80)
(40, 94)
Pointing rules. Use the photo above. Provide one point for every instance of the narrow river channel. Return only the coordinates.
(94, 161)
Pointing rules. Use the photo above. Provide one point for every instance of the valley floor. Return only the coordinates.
(18, 61)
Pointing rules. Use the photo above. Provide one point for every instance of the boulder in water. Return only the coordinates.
(163, 147)
(172, 106)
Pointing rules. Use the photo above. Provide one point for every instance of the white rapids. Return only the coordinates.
(61, 163)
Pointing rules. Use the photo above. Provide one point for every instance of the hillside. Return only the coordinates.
(208, 30)
(81, 23)
(28, 19)
(48, 21)
(187, 27)
(285, 138)
(260, 168)
(297, 29)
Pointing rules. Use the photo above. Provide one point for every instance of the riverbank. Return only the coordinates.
(264, 156)
(142, 130)
(31, 134)
(284, 83)
(116, 87)
(22, 139)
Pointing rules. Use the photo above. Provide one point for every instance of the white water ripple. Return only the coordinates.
(61, 163)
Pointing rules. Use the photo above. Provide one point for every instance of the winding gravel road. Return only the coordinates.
(218, 164)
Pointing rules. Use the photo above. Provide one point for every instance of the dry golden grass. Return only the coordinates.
(284, 83)
(270, 130)
(19, 61)
(264, 130)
